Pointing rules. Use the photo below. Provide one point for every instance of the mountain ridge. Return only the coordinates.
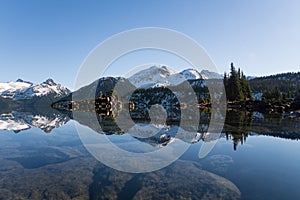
(24, 90)
(159, 76)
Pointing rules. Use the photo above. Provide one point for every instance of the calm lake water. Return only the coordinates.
(256, 157)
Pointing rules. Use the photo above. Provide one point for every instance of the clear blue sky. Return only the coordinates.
(41, 39)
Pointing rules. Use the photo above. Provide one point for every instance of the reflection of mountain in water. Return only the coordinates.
(238, 125)
(18, 121)
(161, 133)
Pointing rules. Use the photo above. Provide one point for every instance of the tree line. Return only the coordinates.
(278, 87)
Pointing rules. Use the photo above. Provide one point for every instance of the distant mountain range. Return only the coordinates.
(152, 77)
(22, 93)
(20, 90)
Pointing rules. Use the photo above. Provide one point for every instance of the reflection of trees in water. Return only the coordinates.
(237, 126)
(277, 125)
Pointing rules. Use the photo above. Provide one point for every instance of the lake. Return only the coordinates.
(42, 156)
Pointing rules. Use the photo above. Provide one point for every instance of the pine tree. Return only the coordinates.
(234, 87)
(245, 87)
(277, 95)
(272, 94)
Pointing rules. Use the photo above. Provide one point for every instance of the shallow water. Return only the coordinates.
(255, 158)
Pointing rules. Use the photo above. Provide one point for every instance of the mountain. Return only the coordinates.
(24, 90)
(103, 85)
(191, 74)
(206, 74)
(159, 76)
(155, 76)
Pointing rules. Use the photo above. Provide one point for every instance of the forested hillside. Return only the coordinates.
(287, 85)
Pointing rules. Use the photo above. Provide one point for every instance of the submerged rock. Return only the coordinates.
(181, 180)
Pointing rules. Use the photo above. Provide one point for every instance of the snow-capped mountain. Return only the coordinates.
(155, 76)
(191, 74)
(158, 76)
(18, 121)
(20, 90)
(206, 74)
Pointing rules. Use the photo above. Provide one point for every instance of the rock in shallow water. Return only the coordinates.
(181, 180)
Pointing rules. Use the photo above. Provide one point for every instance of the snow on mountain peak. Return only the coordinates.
(152, 75)
(191, 74)
(161, 70)
(20, 89)
(22, 81)
(50, 82)
(159, 76)
(206, 74)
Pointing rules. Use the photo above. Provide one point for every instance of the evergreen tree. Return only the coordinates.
(237, 86)
(272, 94)
(234, 91)
(239, 73)
(277, 94)
(245, 87)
